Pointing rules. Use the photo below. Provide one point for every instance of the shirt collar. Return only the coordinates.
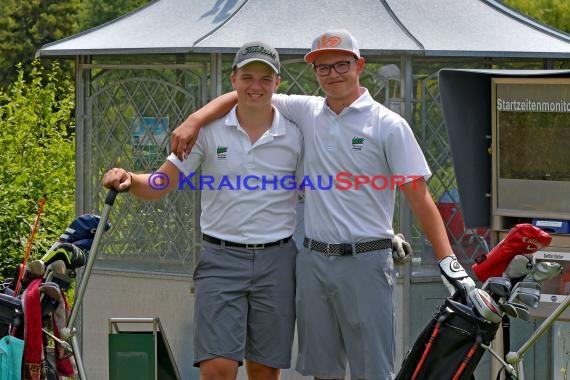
(278, 126)
(362, 103)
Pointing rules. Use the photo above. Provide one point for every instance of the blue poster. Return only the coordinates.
(150, 142)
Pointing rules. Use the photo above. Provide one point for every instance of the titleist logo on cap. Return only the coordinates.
(258, 49)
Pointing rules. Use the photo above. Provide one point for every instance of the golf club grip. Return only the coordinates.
(110, 198)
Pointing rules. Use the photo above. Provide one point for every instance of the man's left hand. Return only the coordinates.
(401, 250)
(455, 277)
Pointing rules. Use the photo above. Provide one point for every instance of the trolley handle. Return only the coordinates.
(111, 195)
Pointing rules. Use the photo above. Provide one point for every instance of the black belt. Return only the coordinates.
(213, 240)
(346, 249)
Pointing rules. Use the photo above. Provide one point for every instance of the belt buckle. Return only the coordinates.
(255, 246)
(345, 249)
(329, 249)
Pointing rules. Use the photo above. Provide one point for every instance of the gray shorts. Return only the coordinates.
(245, 304)
(345, 312)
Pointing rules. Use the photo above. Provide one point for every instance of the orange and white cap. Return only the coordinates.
(333, 40)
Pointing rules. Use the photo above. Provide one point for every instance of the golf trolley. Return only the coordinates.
(40, 312)
(454, 341)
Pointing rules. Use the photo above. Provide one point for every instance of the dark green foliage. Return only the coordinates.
(94, 13)
(27, 25)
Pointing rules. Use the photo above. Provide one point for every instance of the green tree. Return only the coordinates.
(555, 13)
(27, 25)
(97, 12)
(37, 157)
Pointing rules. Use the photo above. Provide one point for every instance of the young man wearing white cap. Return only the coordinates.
(345, 309)
(245, 279)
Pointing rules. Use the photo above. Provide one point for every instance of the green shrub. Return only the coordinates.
(37, 155)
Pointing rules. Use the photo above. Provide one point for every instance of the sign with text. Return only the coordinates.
(150, 142)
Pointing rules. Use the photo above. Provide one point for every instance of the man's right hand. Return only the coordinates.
(183, 138)
(117, 178)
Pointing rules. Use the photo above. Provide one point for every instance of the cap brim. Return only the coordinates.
(250, 60)
(310, 56)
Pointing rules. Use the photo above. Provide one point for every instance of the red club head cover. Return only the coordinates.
(522, 239)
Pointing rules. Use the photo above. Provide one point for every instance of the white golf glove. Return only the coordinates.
(401, 250)
(455, 278)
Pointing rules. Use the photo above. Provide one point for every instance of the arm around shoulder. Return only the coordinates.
(184, 136)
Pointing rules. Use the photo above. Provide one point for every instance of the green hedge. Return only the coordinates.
(37, 155)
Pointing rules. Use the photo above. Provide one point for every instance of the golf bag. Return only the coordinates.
(40, 310)
(449, 347)
(452, 344)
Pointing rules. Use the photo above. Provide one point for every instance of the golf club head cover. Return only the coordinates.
(82, 228)
(72, 255)
(455, 278)
(522, 239)
(401, 250)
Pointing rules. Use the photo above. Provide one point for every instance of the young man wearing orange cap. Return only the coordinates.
(245, 279)
(345, 307)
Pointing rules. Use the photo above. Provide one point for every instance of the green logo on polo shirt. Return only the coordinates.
(357, 142)
(222, 152)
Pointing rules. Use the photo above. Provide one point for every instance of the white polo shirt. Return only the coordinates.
(366, 140)
(243, 199)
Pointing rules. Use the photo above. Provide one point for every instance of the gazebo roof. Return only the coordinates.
(450, 28)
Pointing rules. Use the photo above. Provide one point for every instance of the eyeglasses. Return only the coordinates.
(341, 67)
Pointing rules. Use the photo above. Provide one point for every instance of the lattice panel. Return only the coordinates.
(130, 116)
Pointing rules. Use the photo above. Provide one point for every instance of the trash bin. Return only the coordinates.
(138, 349)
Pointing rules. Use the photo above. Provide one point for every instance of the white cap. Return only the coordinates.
(257, 51)
(333, 40)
